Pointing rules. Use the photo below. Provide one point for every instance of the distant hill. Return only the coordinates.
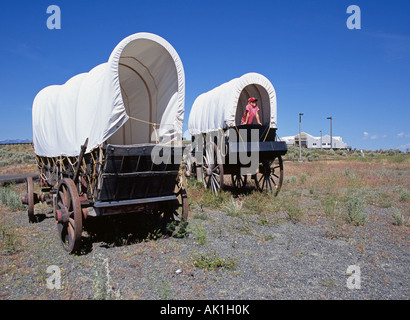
(15, 141)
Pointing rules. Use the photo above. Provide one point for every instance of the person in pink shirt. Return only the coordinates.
(251, 112)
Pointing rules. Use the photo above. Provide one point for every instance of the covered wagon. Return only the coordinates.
(109, 141)
(223, 145)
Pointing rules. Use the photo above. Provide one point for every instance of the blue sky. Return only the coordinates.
(317, 65)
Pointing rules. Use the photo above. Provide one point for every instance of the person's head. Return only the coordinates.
(252, 101)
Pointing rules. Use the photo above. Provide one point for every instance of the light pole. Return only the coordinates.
(300, 138)
(331, 134)
(320, 140)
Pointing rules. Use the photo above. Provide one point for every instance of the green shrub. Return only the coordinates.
(200, 234)
(399, 219)
(293, 210)
(398, 158)
(233, 208)
(214, 262)
(9, 240)
(10, 156)
(329, 204)
(404, 195)
(356, 210)
(214, 201)
(10, 198)
(257, 202)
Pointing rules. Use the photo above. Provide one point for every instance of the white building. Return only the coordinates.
(312, 142)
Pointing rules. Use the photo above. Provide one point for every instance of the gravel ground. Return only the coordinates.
(263, 258)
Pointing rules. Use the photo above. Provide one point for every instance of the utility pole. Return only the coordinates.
(300, 138)
(320, 140)
(331, 133)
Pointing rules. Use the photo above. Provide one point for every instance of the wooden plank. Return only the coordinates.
(104, 204)
(140, 174)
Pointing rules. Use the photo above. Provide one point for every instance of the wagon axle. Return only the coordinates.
(36, 198)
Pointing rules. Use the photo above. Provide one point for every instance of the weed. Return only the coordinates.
(404, 195)
(398, 158)
(101, 283)
(201, 216)
(10, 198)
(10, 155)
(268, 238)
(233, 208)
(399, 219)
(330, 203)
(213, 262)
(182, 231)
(212, 200)
(200, 235)
(164, 291)
(382, 199)
(263, 222)
(329, 283)
(9, 240)
(293, 210)
(258, 202)
(356, 210)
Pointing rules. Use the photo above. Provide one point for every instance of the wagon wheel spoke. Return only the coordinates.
(238, 181)
(60, 204)
(269, 179)
(274, 182)
(215, 181)
(265, 183)
(212, 169)
(270, 176)
(70, 229)
(69, 215)
(63, 196)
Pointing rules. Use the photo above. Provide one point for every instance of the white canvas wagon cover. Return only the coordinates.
(223, 106)
(136, 97)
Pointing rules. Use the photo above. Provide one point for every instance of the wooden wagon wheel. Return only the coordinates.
(68, 215)
(30, 200)
(270, 176)
(239, 181)
(212, 168)
(181, 194)
(182, 211)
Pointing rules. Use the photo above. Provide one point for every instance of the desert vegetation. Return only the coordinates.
(363, 202)
(341, 189)
(337, 185)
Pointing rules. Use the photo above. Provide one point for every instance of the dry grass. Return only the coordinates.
(341, 192)
(17, 159)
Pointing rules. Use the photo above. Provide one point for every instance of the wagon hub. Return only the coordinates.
(62, 215)
(265, 169)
